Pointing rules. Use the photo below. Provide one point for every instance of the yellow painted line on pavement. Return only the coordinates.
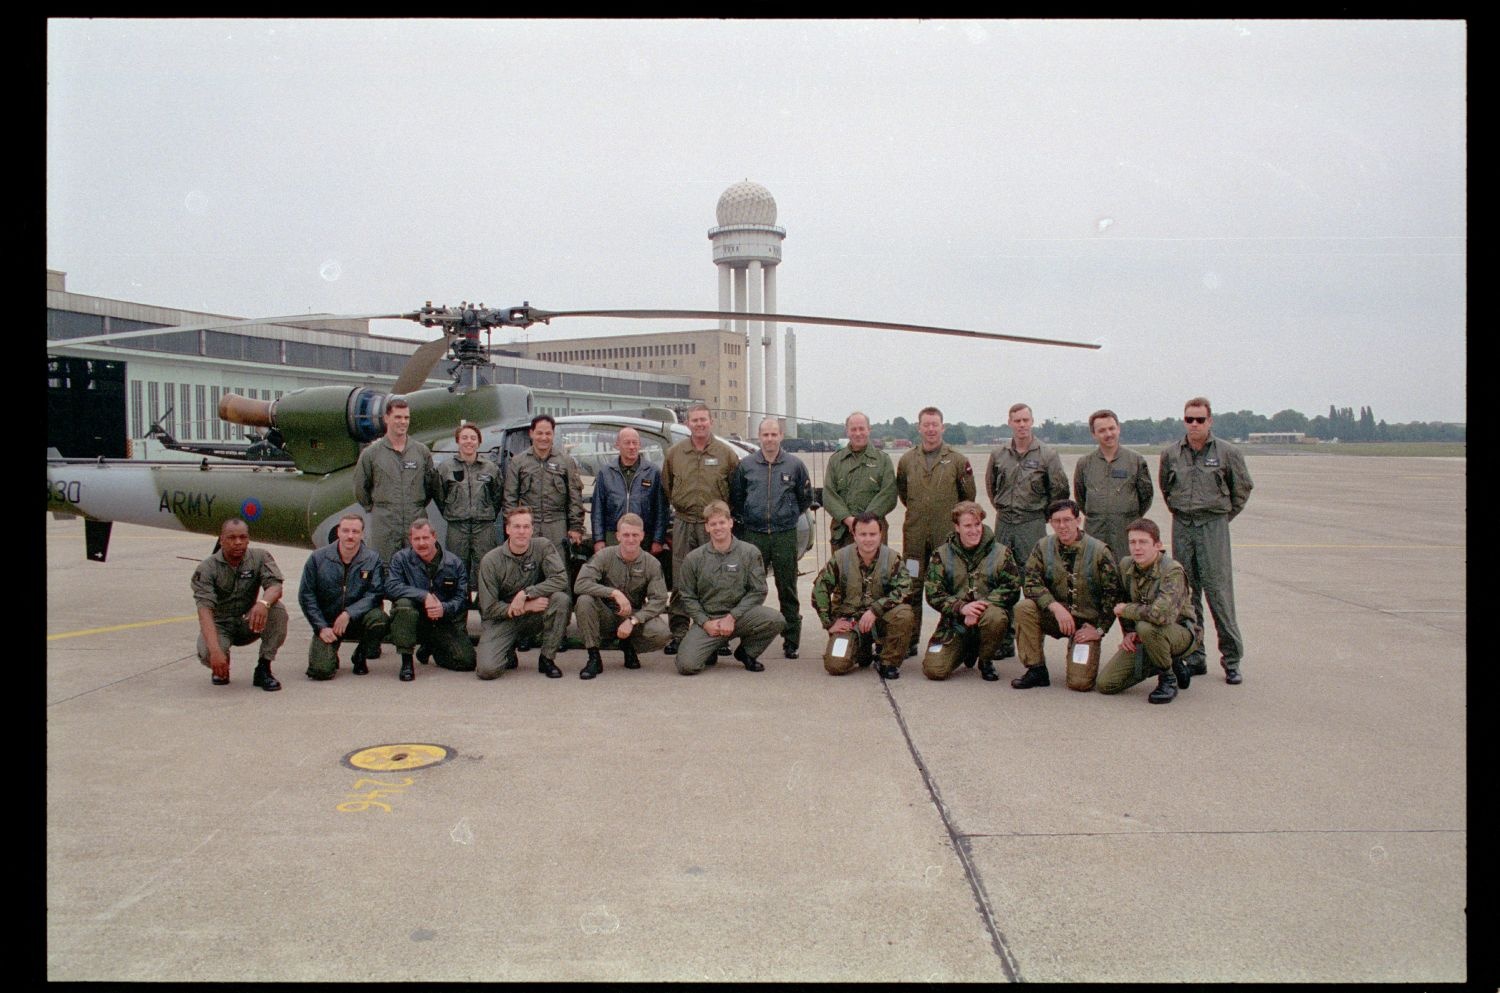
(1412, 547)
(122, 627)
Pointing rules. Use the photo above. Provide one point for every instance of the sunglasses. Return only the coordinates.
(1195, 420)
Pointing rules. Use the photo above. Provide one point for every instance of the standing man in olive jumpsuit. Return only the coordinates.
(471, 491)
(930, 480)
(695, 472)
(1206, 484)
(859, 479)
(1112, 484)
(1022, 478)
(393, 480)
(548, 482)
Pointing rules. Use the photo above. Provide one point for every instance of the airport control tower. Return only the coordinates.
(747, 250)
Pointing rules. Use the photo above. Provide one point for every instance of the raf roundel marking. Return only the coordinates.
(250, 509)
(397, 758)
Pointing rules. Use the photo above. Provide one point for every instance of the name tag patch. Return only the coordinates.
(710, 461)
(1212, 463)
(408, 465)
(1118, 473)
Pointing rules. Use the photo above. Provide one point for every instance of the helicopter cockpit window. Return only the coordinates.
(592, 445)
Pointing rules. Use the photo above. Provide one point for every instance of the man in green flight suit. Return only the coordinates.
(1112, 485)
(859, 478)
(930, 480)
(1205, 484)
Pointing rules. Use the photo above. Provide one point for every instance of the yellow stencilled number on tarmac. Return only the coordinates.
(397, 758)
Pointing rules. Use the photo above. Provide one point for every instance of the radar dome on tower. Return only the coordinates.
(746, 203)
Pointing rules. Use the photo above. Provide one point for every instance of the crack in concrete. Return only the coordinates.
(960, 842)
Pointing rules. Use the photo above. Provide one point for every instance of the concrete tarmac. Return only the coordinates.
(1308, 825)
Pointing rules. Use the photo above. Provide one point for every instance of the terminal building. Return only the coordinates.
(96, 388)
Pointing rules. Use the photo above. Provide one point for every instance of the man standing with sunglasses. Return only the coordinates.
(1205, 484)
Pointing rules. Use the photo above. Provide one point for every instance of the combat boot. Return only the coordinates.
(632, 660)
(888, 672)
(358, 661)
(407, 674)
(423, 654)
(750, 662)
(671, 648)
(510, 659)
(548, 668)
(1199, 666)
(1232, 675)
(263, 677)
(1184, 677)
(1035, 675)
(987, 670)
(1166, 688)
(594, 667)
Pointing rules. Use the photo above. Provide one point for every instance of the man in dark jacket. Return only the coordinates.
(430, 587)
(629, 485)
(768, 494)
(340, 596)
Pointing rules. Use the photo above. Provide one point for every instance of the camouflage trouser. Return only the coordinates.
(779, 551)
(892, 629)
(1203, 549)
(497, 638)
(1159, 645)
(470, 540)
(1032, 622)
(757, 629)
(236, 631)
(686, 536)
(955, 647)
(369, 630)
(447, 638)
(599, 619)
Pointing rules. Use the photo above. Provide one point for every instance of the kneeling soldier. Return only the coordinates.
(860, 596)
(340, 597)
(523, 586)
(238, 593)
(972, 582)
(1161, 627)
(430, 587)
(723, 590)
(622, 586)
(1072, 585)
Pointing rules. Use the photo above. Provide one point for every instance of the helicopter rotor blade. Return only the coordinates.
(293, 320)
(544, 316)
(419, 367)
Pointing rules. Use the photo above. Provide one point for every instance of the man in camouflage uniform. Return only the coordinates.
(340, 594)
(621, 590)
(859, 479)
(429, 587)
(695, 472)
(1022, 478)
(238, 591)
(723, 587)
(860, 597)
(1111, 484)
(523, 585)
(972, 582)
(930, 480)
(1072, 584)
(548, 482)
(1205, 484)
(393, 480)
(1159, 621)
(470, 492)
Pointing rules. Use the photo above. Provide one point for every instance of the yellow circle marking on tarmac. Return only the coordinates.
(122, 627)
(399, 757)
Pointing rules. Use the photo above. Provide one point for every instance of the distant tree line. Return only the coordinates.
(1340, 423)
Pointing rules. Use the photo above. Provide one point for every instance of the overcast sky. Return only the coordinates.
(1269, 213)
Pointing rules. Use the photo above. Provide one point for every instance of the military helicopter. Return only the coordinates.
(297, 500)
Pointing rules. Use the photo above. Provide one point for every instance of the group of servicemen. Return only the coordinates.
(734, 519)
